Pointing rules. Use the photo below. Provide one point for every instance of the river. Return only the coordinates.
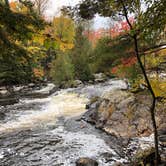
(49, 131)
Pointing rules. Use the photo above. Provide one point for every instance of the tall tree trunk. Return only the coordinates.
(152, 109)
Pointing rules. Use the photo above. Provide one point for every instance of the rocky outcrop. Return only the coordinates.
(39, 92)
(29, 91)
(86, 162)
(123, 114)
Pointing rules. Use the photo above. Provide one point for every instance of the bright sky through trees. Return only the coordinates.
(55, 6)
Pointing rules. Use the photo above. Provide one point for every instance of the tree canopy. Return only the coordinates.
(16, 28)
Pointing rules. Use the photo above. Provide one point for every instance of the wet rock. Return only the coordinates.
(8, 101)
(3, 91)
(117, 164)
(71, 84)
(2, 115)
(86, 162)
(31, 85)
(31, 91)
(77, 83)
(38, 91)
(66, 84)
(91, 116)
(162, 136)
(100, 77)
(107, 157)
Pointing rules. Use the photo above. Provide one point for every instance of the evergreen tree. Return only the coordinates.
(80, 55)
(62, 70)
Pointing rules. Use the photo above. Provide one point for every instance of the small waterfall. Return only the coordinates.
(63, 104)
(45, 132)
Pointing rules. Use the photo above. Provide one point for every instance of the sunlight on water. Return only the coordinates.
(64, 104)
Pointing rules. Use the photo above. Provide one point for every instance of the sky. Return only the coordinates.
(55, 5)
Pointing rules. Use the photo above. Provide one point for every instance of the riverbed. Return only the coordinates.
(50, 131)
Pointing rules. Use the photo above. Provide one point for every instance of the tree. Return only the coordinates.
(80, 55)
(153, 18)
(62, 69)
(110, 50)
(16, 29)
(59, 37)
(41, 6)
(63, 32)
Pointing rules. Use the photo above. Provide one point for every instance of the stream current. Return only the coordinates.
(49, 132)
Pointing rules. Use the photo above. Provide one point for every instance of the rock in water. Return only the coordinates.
(2, 115)
(77, 83)
(100, 77)
(86, 162)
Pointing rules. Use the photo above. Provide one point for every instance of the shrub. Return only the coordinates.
(62, 69)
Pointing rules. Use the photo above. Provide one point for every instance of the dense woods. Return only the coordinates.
(37, 44)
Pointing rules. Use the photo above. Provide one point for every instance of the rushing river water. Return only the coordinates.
(48, 132)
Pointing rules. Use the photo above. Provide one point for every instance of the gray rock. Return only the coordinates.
(77, 83)
(86, 162)
(162, 136)
(100, 77)
(8, 101)
(117, 164)
(2, 115)
(123, 114)
(39, 92)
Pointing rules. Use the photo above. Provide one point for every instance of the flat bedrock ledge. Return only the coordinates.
(124, 114)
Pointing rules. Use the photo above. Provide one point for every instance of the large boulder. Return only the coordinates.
(123, 114)
(77, 83)
(86, 162)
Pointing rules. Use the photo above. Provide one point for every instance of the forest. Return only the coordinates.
(67, 50)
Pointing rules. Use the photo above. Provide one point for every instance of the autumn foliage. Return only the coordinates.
(119, 28)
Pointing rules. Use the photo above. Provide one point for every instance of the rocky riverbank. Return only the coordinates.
(11, 95)
(126, 115)
(28, 91)
(56, 127)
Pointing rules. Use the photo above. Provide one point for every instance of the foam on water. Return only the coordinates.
(100, 89)
(83, 145)
(64, 104)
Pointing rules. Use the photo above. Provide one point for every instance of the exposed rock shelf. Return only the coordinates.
(123, 114)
